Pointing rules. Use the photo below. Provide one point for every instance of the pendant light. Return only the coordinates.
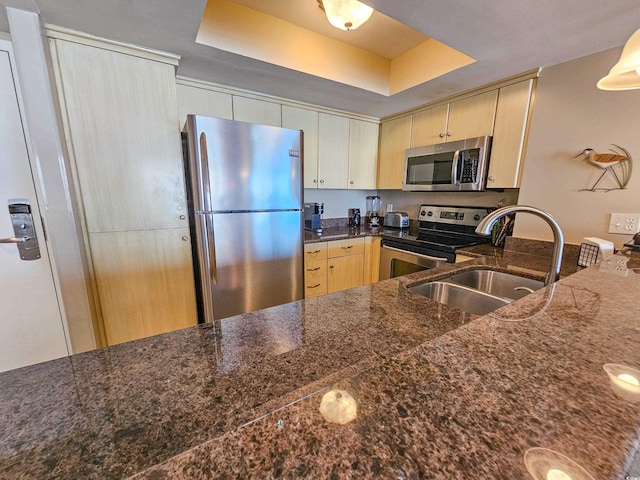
(625, 75)
(345, 14)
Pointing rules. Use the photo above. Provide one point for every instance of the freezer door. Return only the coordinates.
(258, 261)
(248, 167)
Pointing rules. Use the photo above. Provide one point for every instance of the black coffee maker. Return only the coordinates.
(312, 214)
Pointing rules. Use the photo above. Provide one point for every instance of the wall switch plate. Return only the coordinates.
(624, 223)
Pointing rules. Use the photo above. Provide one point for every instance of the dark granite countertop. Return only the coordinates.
(340, 233)
(441, 393)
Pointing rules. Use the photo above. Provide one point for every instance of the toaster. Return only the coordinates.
(396, 220)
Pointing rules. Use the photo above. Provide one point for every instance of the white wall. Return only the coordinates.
(337, 202)
(571, 114)
(410, 201)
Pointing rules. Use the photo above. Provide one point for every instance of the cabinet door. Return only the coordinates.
(256, 111)
(371, 260)
(395, 136)
(202, 101)
(307, 121)
(507, 150)
(345, 272)
(145, 282)
(363, 154)
(124, 137)
(333, 151)
(472, 117)
(429, 126)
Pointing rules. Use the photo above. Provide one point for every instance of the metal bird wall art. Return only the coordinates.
(617, 164)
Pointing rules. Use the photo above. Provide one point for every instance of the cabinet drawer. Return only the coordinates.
(315, 286)
(315, 251)
(339, 248)
(315, 268)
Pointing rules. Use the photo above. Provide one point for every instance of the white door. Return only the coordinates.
(31, 326)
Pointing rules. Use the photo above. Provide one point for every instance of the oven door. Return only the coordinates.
(395, 262)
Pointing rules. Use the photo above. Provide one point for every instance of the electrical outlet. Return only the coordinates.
(389, 207)
(624, 223)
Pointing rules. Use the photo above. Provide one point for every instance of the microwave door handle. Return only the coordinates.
(454, 168)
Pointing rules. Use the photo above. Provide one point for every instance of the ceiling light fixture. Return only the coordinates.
(625, 75)
(345, 14)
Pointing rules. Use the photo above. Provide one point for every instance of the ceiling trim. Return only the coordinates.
(220, 88)
(62, 33)
(529, 74)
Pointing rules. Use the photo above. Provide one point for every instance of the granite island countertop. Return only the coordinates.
(441, 393)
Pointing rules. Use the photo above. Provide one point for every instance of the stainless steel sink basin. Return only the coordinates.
(459, 296)
(499, 284)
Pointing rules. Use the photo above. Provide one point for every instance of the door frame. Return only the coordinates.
(6, 46)
(46, 147)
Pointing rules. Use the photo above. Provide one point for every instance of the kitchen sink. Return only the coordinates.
(460, 296)
(478, 291)
(500, 284)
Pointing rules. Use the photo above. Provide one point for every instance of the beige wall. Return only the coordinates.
(571, 114)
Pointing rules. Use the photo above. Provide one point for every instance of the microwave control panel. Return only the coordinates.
(469, 166)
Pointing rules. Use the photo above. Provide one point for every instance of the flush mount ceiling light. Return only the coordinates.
(345, 14)
(625, 75)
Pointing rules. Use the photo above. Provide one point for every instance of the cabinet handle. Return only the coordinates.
(321, 181)
(313, 269)
(313, 286)
(330, 266)
(448, 134)
(347, 247)
(185, 238)
(441, 135)
(315, 180)
(491, 178)
(351, 182)
(182, 217)
(314, 252)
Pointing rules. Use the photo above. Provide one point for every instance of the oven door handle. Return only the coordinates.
(427, 257)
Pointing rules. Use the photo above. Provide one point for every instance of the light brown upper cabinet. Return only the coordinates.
(333, 151)
(202, 101)
(509, 135)
(251, 110)
(124, 136)
(307, 121)
(466, 118)
(395, 138)
(363, 154)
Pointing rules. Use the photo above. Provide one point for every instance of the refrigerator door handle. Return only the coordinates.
(207, 226)
(204, 166)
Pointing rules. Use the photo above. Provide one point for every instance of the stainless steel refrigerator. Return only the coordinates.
(245, 196)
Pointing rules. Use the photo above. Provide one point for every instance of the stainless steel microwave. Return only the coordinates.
(448, 167)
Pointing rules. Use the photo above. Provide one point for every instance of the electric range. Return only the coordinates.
(442, 231)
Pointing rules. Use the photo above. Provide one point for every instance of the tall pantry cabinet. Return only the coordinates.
(119, 108)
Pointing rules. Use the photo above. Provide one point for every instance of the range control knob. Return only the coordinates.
(476, 217)
(430, 213)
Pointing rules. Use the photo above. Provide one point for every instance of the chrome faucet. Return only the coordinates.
(485, 225)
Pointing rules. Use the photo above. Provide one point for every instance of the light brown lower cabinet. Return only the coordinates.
(340, 264)
(144, 281)
(344, 272)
